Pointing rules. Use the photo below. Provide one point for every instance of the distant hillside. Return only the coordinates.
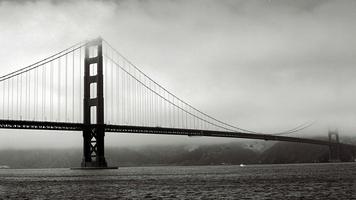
(231, 153)
(181, 155)
(40, 158)
(286, 152)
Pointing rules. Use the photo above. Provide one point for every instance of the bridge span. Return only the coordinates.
(62, 126)
(92, 88)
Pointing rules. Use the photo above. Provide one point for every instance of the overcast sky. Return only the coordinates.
(262, 65)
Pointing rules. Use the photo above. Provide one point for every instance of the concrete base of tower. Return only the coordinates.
(95, 164)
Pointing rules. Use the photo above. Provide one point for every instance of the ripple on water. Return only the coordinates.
(307, 181)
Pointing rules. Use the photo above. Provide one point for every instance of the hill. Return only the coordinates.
(230, 153)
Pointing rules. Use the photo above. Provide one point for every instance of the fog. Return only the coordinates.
(267, 65)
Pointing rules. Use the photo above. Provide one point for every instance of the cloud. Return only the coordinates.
(264, 65)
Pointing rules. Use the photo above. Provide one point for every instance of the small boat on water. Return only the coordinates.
(4, 167)
(242, 165)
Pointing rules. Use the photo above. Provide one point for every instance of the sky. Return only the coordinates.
(266, 65)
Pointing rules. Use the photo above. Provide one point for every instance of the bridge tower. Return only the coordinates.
(334, 146)
(93, 111)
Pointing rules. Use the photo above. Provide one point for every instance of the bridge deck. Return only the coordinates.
(44, 125)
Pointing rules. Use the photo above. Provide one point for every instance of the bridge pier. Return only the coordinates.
(334, 146)
(93, 111)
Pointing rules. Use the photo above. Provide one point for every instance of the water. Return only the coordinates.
(302, 181)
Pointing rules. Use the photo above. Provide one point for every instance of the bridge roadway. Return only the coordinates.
(63, 126)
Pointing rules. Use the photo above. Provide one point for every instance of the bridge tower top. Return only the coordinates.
(334, 136)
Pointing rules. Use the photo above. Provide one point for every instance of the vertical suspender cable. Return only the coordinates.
(169, 112)
(128, 97)
(166, 109)
(51, 91)
(186, 120)
(140, 101)
(37, 96)
(3, 99)
(20, 96)
(44, 93)
(59, 90)
(10, 101)
(139, 115)
(124, 97)
(32, 94)
(182, 113)
(155, 105)
(26, 86)
(8, 98)
(66, 88)
(194, 118)
(80, 84)
(133, 100)
(73, 72)
(35, 92)
(29, 96)
(150, 102)
(160, 106)
(12, 98)
(174, 113)
(147, 104)
(155, 100)
(158, 109)
(145, 100)
(121, 97)
(137, 102)
(164, 105)
(112, 110)
(118, 93)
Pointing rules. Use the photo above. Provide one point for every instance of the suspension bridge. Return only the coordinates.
(90, 87)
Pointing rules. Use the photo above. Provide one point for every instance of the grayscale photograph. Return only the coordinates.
(178, 99)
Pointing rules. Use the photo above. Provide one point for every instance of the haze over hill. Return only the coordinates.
(211, 154)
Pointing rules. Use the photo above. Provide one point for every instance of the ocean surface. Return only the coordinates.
(296, 181)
